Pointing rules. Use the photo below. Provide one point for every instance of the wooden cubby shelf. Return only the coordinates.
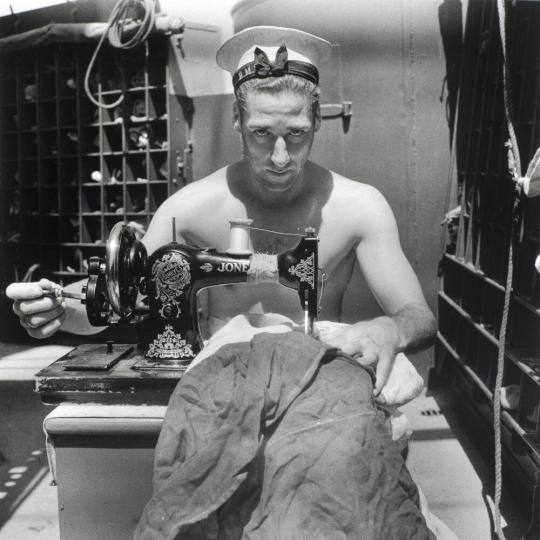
(70, 169)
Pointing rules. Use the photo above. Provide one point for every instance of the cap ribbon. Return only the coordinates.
(265, 68)
(262, 67)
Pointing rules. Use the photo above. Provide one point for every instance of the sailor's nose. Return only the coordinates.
(280, 157)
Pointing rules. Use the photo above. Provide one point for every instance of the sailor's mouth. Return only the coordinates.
(279, 173)
(279, 180)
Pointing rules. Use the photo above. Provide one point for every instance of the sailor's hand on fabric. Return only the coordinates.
(373, 343)
(403, 384)
(39, 315)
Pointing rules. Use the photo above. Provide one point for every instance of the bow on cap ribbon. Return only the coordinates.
(265, 68)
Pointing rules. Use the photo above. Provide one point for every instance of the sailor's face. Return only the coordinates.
(278, 131)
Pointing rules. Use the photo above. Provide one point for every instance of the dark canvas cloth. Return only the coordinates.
(53, 33)
(278, 439)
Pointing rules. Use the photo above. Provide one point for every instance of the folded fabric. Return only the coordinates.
(241, 329)
(279, 438)
(404, 382)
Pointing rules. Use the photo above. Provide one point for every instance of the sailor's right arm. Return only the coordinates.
(42, 316)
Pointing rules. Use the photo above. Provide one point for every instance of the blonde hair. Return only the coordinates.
(274, 85)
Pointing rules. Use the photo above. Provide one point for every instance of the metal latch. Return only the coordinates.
(336, 110)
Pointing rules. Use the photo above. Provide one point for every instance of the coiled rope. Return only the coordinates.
(115, 31)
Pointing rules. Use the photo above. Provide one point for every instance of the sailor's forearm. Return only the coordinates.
(416, 325)
(76, 321)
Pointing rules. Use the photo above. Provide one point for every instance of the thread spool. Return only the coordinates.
(239, 239)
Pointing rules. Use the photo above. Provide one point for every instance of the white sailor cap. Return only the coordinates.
(273, 51)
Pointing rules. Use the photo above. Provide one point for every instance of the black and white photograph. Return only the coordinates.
(270, 270)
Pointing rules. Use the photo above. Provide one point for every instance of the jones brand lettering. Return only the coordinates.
(233, 267)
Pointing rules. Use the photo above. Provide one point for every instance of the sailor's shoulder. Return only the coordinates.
(204, 190)
(349, 191)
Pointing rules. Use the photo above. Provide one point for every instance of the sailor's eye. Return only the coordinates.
(260, 132)
(296, 132)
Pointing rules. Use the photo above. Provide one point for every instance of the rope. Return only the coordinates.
(146, 26)
(115, 28)
(507, 96)
(514, 165)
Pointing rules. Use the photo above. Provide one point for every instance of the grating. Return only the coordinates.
(431, 412)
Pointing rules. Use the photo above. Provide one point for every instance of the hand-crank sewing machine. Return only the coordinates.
(171, 278)
(169, 334)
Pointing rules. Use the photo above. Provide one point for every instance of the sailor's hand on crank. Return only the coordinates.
(40, 314)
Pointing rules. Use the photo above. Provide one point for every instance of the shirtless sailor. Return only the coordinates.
(277, 114)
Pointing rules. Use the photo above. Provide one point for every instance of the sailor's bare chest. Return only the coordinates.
(273, 232)
(275, 229)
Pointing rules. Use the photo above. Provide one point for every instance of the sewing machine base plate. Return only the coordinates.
(95, 357)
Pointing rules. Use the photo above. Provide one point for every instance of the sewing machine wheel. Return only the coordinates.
(125, 259)
(97, 304)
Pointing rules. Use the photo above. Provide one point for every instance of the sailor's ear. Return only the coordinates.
(317, 115)
(237, 119)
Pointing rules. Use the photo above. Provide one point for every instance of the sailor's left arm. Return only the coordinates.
(408, 323)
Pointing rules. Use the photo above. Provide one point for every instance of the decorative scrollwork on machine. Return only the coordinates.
(171, 275)
(305, 270)
(169, 345)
